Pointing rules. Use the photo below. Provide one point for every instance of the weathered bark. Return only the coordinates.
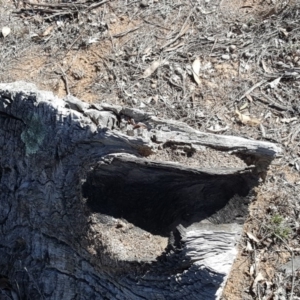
(69, 168)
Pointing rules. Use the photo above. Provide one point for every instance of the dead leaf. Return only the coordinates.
(35, 37)
(47, 31)
(93, 39)
(217, 128)
(252, 237)
(5, 31)
(196, 66)
(249, 97)
(262, 129)
(257, 279)
(59, 23)
(151, 69)
(147, 51)
(273, 84)
(252, 269)
(288, 120)
(266, 69)
(245, 105)
(283, 30)
(206, 12)
(246, 120)
(249, 247)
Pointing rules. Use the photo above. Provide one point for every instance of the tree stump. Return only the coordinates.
(93, 207)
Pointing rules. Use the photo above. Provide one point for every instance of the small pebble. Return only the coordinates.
(245, 27)
(225, 56)
(232, 48)
(229, 34)
(144, 4)
(249, 54)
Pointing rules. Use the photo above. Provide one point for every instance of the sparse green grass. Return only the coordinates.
(278, 227)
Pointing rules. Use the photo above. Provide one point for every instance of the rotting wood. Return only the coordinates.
(57, 155)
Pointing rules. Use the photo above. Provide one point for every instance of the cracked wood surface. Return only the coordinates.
(51, 148)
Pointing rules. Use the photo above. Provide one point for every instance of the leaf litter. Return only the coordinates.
(250, 59)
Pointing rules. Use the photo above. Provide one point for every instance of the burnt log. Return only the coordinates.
(93, 205)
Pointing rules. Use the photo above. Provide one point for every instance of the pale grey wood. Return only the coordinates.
(55, 152)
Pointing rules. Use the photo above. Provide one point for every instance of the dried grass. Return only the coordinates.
(104, 51)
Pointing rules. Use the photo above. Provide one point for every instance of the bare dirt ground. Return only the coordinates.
(230, 67)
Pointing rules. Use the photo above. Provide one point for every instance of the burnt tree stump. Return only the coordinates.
(89, 211)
